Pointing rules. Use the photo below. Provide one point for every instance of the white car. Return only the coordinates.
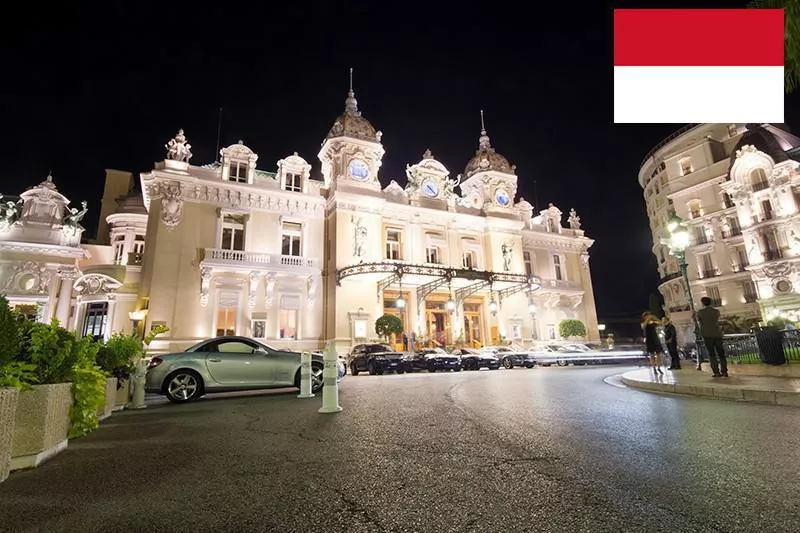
(581, 354)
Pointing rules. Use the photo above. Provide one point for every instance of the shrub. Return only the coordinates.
(116, 357)
(88, 397)
(388, 325)
(9, 333)
(55, 352)
(571, 327)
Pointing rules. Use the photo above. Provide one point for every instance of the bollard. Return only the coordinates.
(330, 388)
(139, 379)
(305, 376)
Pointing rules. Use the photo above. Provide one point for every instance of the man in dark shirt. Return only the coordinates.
(710, 330)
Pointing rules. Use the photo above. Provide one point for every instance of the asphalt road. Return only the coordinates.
(547, 449)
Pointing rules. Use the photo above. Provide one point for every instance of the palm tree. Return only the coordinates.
(791, 59)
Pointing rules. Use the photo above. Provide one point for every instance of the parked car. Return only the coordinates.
(228, 363)
(432, 359)
(475, 360)
(510, 358)
(375, 359)
(581, 354)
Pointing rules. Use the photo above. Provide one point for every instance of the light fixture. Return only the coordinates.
(451, 304)
(138, 315)
(601, 327)
(401, 302)
(493, 306)
(532, 308)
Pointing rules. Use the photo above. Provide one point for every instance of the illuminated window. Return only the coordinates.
(259, 329)
(232, 233)
(293, 182)
(96, 319)
(393, 244)
(287, 317)
(686, 166)
(291, 239)
(557, 268)
(226, 321)
(695, 209)
(138, 244)
(758, 179)
(119, 250)
(237, 172)
(432, 254)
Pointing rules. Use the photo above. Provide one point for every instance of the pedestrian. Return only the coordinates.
(671, 340)
(652, 342)
(710, 330)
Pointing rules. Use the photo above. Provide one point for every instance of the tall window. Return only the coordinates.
(226, 321)
(119, 249)
(238, 172)
(291, 239)
(766, 208)
(138, 244)
(287, 318)
(94, 323)
(232, 233)
(758, 179)
(526, 258)
(551, 226)
(393, 244)
(686, 166)
(709, 269)
(741, 256)
(432, 255)
(726, 200)
(749, 290)
(733, 223)
(293, 183)
(557, 267)
(695, 209)
(712, 291)
(700, 236)
(468, 259)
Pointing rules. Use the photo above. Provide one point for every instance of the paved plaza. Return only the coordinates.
(547, 449)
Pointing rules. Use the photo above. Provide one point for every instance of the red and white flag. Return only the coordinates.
(698, 65)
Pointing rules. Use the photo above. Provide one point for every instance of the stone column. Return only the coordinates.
(65, 296)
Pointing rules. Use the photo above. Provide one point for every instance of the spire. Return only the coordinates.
(350, 104)
(483, 142)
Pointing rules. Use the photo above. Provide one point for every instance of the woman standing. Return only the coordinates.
(652, 342)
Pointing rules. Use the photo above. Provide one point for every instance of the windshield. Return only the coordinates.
(375, 348)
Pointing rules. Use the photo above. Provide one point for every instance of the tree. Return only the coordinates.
(388, 325)
(791, 36)
(655, 305)
(571, 327)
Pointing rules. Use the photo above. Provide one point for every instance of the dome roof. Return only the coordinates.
(486, 158)
(763, 140)
(352, 124)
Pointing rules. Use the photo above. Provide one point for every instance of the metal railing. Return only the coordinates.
(734, 232)
(666, 141)
(743, 348)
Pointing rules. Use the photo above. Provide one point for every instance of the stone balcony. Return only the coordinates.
(245, 260)
(561, 285)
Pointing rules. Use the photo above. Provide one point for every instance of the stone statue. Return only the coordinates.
(574, 220)
(507, 250)
(74, 216)
(449, 185)
(10, 211)
(359, 236)
(178, 149)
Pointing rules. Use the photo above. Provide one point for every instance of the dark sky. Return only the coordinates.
(106, 86)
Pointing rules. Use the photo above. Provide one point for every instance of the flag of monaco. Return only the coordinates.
(698, 65)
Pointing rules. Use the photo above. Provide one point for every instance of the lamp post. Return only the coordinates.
(139, 377)
(678, 242)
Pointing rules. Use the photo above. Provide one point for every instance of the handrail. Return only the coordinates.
(667, 140)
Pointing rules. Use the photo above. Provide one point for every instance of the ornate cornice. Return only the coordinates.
(45, 249)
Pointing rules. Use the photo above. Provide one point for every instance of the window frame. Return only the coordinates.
(295, 233)
(238, 177)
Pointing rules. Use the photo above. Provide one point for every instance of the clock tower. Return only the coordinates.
(489, 182)
(351, 153)
(428, 181)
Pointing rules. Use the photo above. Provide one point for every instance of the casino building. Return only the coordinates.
(228, 248)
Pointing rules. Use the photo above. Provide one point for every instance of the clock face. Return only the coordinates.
(430, 188)
(358, 170)
(502, 197)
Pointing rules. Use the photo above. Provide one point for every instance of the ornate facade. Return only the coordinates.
(737, 186)
(227, 248)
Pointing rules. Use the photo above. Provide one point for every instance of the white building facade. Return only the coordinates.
(227, 248)
(737, 187)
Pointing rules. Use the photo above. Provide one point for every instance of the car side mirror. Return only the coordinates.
(260, 351)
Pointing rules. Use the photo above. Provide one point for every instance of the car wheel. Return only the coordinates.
(316, 377)
(494, 367)
(371, 368)
(457, 369)
(379, 372)
(561, 362)
(529, 365)
(508, 363)
(431, 368)
(400, 371)
(353, 369)
(183, 386)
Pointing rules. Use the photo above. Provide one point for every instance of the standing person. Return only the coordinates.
(710, 330)
(671, 340)
(652, 342)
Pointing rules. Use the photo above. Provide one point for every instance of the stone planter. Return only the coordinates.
(122, 395)
(111, 399)
(8, 413)
(42, 424)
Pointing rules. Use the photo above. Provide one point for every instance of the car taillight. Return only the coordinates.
(154, 362)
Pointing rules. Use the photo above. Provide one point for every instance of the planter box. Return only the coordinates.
(111, 399)
(8, 413)
(42, 424)
(122, 395)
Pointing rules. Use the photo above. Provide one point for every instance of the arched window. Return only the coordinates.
(695, 209)
(758, 179)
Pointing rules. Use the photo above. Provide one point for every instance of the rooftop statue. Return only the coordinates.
(178, 149)
(74, 216)
(574, 220)
(10, 212)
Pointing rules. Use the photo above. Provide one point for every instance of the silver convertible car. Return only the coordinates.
(224, 364)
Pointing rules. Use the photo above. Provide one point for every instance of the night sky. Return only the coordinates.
(107, 85)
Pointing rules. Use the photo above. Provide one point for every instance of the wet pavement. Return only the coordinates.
(547, 449)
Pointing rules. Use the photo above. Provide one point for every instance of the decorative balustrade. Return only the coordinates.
(243, 257)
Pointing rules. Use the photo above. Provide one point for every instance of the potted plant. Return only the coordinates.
(63, 370)
(14, 376)
(388, 325)
(116, 359)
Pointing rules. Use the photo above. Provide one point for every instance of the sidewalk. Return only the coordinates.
(756, 389)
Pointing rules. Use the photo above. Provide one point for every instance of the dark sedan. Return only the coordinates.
(432, 359)
(510, 358)
(475, 360)
(375, 359)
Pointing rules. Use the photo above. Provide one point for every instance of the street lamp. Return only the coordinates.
(678, 242)
(136, 317)
(492, 306)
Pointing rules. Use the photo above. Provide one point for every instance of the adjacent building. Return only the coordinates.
(228, 248)
(737, 187)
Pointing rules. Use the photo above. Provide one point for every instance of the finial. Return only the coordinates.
(351, 79)
(483, 126)
(350, 103)
(483, 142)
(50, 175)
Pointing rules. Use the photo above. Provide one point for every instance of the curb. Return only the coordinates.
(722, 393)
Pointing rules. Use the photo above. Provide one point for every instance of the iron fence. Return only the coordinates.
(742, 348)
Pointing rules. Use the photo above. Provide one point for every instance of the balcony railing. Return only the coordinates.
(670, 277)
(679, 308)
(710, 273)
(734, 232)
(254, 258)
(561, 284)
(750, 297)
(760, 186)
(772, 255)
